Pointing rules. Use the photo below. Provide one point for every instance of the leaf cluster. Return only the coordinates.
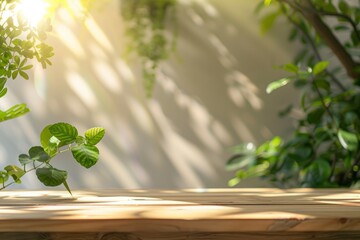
(55, 139)
(323, 150)
(19, 42)
(148, 39)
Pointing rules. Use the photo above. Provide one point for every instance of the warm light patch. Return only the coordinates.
(76, 7)
(33, 10)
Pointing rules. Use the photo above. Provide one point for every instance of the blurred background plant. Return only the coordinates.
(148, 38)
(323, 150)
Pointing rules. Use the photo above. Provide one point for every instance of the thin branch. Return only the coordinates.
(306, 8)
(312, 44)
(344, 16)
(326, 107)
(31, 169)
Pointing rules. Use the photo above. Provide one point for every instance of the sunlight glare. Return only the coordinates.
(33, 10)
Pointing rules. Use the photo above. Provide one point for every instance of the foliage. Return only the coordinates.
(323, 150)
(20, 42)
(55, 139)
(148, 39)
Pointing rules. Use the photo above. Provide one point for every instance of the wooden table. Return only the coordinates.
(180, 214)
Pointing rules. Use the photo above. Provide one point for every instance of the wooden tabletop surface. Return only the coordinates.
(203, 210)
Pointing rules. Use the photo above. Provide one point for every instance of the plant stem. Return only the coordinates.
(309, 12)
(312, 44)
(327, 109)
(36, 167)
(344, 16)
(31, 169)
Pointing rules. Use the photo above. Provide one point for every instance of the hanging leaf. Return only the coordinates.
(277, 84)
(48, 141)
(15, 172)
(348, 140)
(14, 112)
(268, 21)
(24, 159)
(4, 176)
(51, 176)
(318, 172)
(86, 155)
(239, 161)
(3, 92)
(291, 68)
(94, 135)
(24, 75)
(37, 153)
(67, 187)
(344, 7)
(320, 67)
(2, 83)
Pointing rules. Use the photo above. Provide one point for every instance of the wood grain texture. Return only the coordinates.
(183, 236)
(176, 211)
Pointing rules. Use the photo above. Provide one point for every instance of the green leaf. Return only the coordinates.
(23, 62)
(67, 187)
(24, 159)
(65, 132)
(344, 7)
(4, 176)
(26, 67)
(267, 2)
(2, 83)
(291, 68)
(234, 181)
(15, 172)
(320, 67)
(239, 161)
(318, 172)
(315, 116)
(48, 141)
(268, 21)
(14, 74)
(341, 28)
(24, 75)
(277, 84)
(86, 155)
(348, 140)
(51, 176)
(348, 162)
(45, 136)
(80, 140)
(3, 92)
(323, 84)
(14, 112)
(17, 60)
(37, 153)
(94, 135)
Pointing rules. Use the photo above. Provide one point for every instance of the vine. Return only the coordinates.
(148, 38)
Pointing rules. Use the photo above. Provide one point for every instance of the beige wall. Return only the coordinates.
(210, 97)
